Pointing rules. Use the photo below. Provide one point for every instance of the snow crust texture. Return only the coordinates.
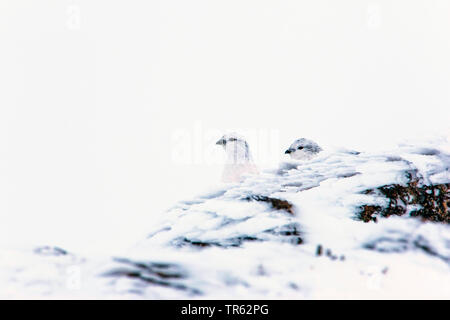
(341, 225)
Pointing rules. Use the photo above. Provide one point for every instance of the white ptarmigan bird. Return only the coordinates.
(239, 160)
(303, 149)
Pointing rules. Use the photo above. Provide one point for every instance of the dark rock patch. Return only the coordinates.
(428, 202)
(50, 251)
(277, 204)
(288, 233)
(367, 213)
(225, 243)
(319, 250)
(397, 242)
(328, 253)
(160, 274)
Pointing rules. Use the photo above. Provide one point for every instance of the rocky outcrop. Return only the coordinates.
(428, 202)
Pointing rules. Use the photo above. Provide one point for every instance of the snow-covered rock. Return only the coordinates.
(340, 225)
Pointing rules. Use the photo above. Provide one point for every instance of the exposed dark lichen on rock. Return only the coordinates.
(277, 204)
(429, 202)
(367, 213)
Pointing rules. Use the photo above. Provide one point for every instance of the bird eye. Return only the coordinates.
(300, 148)
(232, 139)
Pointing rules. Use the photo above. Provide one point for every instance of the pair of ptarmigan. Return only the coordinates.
(239, 160)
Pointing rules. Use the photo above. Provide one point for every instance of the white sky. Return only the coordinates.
(98, 98)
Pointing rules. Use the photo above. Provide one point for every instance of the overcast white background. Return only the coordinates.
(98, 99)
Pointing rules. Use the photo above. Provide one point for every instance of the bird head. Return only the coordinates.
(303, 149)
(230, 137)
(236, 147)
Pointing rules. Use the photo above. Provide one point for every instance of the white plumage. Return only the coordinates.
(239, 160)
(303, 149)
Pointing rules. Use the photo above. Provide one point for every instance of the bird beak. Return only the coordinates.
(288, 151)
(221, 142)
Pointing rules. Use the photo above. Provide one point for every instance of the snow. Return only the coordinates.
(222, 244)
